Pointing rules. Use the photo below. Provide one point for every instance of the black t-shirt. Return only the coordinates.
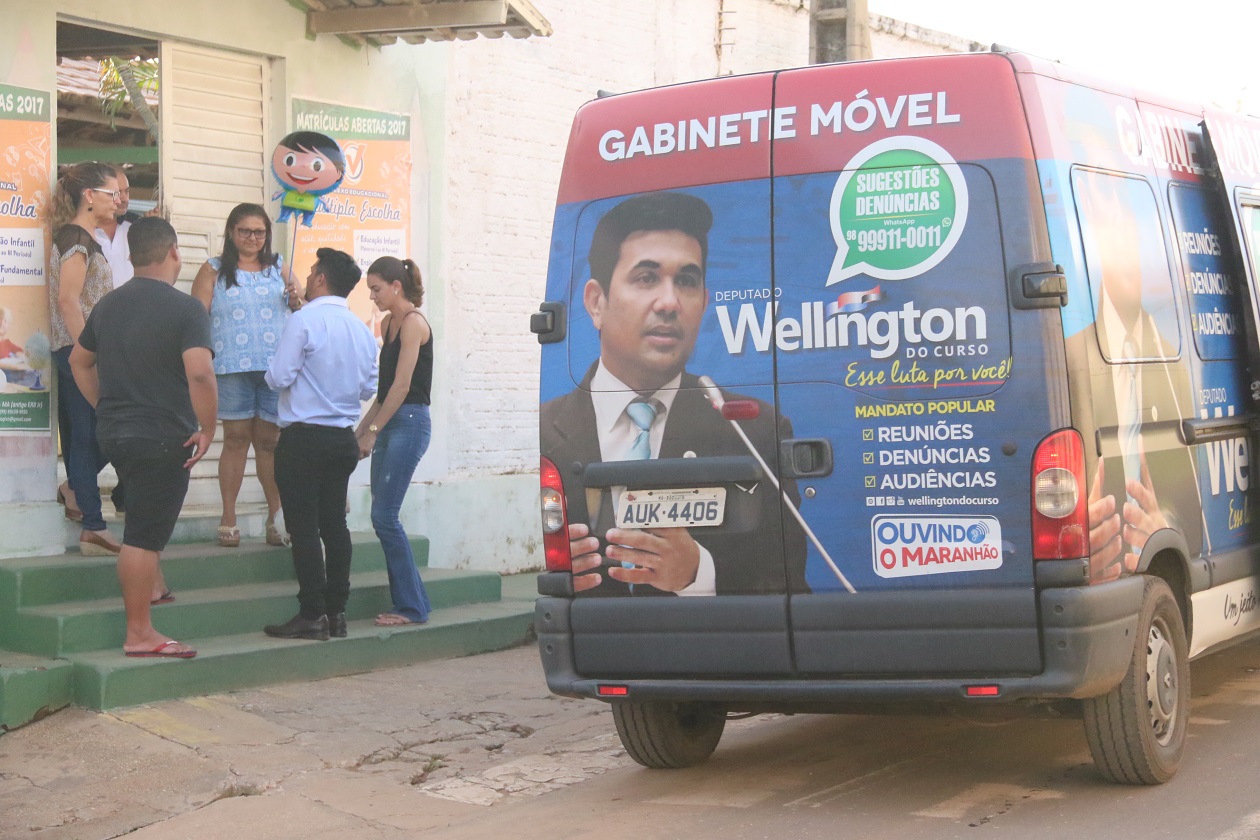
(139, 333)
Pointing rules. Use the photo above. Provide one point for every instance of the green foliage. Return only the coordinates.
(126, 81)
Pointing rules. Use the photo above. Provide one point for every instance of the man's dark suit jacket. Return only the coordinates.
(744, 563)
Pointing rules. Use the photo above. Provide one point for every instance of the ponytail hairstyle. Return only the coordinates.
(231, 256)
(68, 191)
(404, 271)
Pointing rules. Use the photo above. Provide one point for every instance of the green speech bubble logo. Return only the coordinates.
(897, 210)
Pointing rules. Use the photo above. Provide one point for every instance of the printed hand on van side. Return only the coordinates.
(666, 558)
(584, 549)
(1143, 518)
(1105, 542)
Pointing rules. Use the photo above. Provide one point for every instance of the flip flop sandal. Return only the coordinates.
(166, 597)
(394, 620)
(229, 536)
(161, 652)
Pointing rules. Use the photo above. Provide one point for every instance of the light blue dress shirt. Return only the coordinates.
(325, 365)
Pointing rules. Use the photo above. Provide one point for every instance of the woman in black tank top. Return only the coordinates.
(395, 430)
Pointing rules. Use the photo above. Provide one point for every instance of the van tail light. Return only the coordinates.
(555, 519)
(1060, 516)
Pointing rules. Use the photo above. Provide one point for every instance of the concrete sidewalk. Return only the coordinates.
(376, 756)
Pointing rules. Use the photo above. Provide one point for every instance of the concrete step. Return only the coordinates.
(198, 522)
(32, 687)
(107, 679)
(80, 626)
(74, 577)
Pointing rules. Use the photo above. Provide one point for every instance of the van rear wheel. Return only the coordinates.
(664, 735)
(1137, 731)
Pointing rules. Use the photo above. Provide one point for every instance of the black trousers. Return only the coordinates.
(313, 466)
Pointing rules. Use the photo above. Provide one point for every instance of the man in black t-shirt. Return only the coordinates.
(144, 361)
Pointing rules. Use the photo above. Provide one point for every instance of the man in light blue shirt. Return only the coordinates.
(324, 368)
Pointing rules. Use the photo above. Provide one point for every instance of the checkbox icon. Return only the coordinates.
(868, 457)
(870, 481)
(868, 434)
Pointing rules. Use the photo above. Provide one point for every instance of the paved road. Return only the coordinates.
(476, 748)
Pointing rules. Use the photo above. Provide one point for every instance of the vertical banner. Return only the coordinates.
(25, 176)
(369, 215)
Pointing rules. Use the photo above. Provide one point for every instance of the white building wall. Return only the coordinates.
(892, 38)
(764, 35)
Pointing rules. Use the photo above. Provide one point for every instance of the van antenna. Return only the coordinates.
(717, 401)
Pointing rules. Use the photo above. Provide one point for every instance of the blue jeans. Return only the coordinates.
(84, 460)
(399, 447)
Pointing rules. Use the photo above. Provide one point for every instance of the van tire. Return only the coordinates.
(663, 735)
(1137, 731)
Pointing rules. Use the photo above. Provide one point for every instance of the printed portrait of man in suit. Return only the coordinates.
(1145, 480)
(647, 295)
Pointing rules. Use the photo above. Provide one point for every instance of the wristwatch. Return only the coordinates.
(374, 428)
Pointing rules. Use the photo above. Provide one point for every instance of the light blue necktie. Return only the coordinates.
(641, 413)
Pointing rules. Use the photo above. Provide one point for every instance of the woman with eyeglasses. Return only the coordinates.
(249, 294)
(85, 198)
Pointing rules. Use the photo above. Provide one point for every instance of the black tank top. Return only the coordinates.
(421, 377)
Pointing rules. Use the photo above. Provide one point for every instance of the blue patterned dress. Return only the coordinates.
(247, 319)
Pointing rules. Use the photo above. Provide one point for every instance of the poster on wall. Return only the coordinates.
(25, 162)
(369, 214)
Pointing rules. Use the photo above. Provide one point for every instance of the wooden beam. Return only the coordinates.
(525, 10)
(408, 18)
(92, 114)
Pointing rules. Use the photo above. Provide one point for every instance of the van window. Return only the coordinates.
(1127, 265)
(1201, 236)
(1251, 232)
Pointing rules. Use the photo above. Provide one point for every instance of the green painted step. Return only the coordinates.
(79, 626)
(31, 688)
(107, 679)
(33, 581)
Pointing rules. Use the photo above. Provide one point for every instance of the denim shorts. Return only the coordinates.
(243, 396)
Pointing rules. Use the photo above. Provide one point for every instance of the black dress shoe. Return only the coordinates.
(300, 628)
(337, 625)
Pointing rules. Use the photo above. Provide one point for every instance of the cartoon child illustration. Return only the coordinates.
(308, 165)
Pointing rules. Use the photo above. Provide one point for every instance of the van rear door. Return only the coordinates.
(698, 487)
(916, 393)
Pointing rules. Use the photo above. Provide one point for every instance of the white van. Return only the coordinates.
(920, 381)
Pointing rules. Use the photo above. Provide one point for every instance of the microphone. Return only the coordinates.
(717, 401)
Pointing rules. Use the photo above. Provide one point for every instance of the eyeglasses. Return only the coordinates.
(114, 194)
(246, 233)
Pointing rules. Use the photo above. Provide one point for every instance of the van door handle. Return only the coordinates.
(548, 323)
(1203, 430)
(805, 457)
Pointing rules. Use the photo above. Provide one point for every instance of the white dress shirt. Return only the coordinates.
(325, 365)
(118, 252)
(616, 432)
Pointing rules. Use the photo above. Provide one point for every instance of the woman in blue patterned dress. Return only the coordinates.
(249, 293)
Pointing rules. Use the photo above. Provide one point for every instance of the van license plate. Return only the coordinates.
(682, 508)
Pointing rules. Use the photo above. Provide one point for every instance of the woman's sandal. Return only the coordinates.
(390, 619)
(275, 536)
(72, 513)
(229, 536)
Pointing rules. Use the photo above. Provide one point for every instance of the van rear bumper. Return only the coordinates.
(1087, 637)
